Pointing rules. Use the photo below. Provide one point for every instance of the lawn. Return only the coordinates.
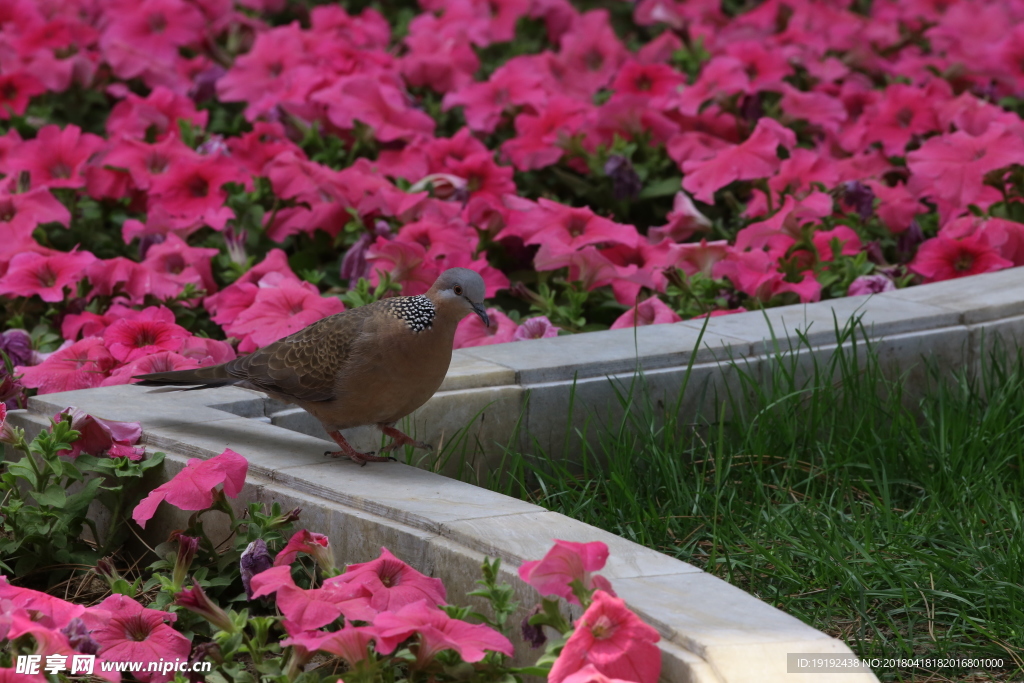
(887, 521)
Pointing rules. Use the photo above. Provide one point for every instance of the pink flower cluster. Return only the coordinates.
(101, 350)
(118, 629)
(814, 109)
(392, 602)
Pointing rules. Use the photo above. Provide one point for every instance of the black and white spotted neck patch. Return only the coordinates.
(415, 311)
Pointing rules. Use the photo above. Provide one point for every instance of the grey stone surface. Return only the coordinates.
(820, 323)
(976, 299)
(529, 535)
(609, 352)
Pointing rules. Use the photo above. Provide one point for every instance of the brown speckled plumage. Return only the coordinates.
(370, 365)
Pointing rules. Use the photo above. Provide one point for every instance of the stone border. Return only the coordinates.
(712, 632)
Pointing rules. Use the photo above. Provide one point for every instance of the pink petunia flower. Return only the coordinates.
(193, 487)
(952, 167)
(536, 328)
(163, 361)
(871, 284)
(281, 306)
(350, 644)
(174, 264)
(21, 213)
(943, 258)
(191, 191)
(31, 274)
(590, 53)
(156, 114)
(17, 88)
(376, 103)
(99, 436)
(564, 564)
(437, 631)
(275, 70)
(137, 634)
(590, 674)
(539, 137)
(392, 583)
(143, 38)
(650, 311)
(471, 330)
(81, 365)
(55, 158)
(612, 639)
(485, 103)
(305, 610)
(129, 340)
(683, 221)
(48, 610)
(754, 158)
(310, 543)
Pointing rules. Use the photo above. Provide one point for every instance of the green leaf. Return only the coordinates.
(663, 188)
(25, 564)
(151, 462)
(80, 501)
(54, 496)
(23, 470)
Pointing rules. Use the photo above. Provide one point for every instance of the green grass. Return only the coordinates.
(890, 522)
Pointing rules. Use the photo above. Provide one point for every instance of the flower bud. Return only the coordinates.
(196, 600)
(255, 559)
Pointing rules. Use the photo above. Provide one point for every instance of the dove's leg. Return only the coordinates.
(352, 454)
(400, 439)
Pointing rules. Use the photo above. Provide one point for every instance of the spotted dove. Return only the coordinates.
(371, 365)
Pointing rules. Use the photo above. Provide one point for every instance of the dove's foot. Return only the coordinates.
(400, 439)
(352, 454)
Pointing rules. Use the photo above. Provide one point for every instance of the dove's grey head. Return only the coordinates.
(461, 290)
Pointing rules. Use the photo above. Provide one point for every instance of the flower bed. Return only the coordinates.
(178, 172)
(254, 606)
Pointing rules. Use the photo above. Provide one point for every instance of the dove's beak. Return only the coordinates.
(482, 312)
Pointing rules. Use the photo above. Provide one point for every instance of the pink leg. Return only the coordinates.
(400, 439)
(352, 454)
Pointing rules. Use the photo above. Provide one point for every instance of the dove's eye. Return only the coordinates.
(458, 290)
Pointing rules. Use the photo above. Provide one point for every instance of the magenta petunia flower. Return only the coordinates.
(754, 158)
(310, 543)
(564, 564)
(30, 273)
(21, 213)
(471, 331)
(376, 102)
(391, 582)
(350, 643)
(99, 436)
(943, 258)
(305, 610)
(280, 307)
(132, 339)
(591, 674)
(650, 311)
(952, 167)
(81, 365)
(612, 639)
(193, 487)
(535, 328)
(871, 284)
(137, 634)
(55, 158)
(437, 631)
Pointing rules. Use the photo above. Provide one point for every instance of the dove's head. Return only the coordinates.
(462, 290)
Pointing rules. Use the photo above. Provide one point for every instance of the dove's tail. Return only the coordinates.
(189, 380)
